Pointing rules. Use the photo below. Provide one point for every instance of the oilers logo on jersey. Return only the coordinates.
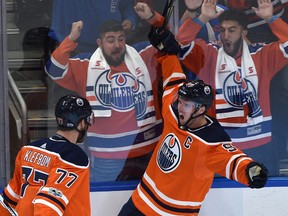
(122, 92)
(238, 91)
(169, 154)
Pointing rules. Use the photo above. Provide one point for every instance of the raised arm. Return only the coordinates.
(193, 8)
(208, 11)
(66, 72)
(75, 30)
(264, 10)
(190, 28)
(144, 11)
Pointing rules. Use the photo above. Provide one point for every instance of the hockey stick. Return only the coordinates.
(167, 12)
(6, 206)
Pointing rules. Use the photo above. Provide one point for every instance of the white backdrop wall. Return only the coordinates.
(270, 201)
(226, 198)
(234, 200)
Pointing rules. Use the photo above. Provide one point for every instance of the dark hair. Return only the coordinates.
(234, 15)
(110, 25)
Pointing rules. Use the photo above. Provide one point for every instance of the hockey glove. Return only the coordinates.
(163, 39)
(257, 175)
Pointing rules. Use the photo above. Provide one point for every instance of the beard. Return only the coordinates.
(114, 61)
(235, 49)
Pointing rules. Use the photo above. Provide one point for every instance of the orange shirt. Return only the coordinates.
(51, 178)
(182, 167)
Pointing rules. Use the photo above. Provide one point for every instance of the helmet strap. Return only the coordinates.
(82, 133)
(193, 117)
(186, 125)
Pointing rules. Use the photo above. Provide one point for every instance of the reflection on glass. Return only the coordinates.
(36, 28)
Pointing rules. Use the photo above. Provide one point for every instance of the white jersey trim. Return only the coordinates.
(166, 198)
(44, 202)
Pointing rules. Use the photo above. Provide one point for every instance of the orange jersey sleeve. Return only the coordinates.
(70, 73)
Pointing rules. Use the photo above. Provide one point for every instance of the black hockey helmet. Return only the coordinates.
(198, 92)
(71, 109)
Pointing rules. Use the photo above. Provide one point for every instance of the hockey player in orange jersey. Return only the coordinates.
(51, 175)
(192, 148)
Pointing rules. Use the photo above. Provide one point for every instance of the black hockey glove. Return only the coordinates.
(257, 175)
(163, 39)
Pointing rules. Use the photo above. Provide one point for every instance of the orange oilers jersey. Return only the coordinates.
(51, 177)
(182, 168)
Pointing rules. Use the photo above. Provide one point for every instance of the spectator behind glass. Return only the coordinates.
(259, 31)
(51, 175)
(209, 32)
(242, 104)
(193, 147)
(92, 13)
(122, 90)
